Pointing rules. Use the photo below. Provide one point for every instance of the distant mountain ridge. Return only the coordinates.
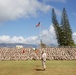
(13, 45)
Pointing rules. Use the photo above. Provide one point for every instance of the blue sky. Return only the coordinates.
(18, 20)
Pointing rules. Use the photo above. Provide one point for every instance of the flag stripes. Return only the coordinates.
(38, 24)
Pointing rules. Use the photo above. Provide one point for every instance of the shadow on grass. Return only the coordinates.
(39, 69)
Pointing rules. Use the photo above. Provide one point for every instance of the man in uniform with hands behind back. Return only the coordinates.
(43, 57)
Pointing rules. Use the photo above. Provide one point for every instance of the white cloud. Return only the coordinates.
(4, 38)
(74, 37)
(13, 9)
(48, 37)
(58, 12)
(32, 40)
(20, 39)
(8, 39)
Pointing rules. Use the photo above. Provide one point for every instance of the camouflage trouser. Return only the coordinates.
(43, 64)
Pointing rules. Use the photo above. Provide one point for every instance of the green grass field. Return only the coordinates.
(31, 67)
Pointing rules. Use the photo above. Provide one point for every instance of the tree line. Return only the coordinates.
(63, 30)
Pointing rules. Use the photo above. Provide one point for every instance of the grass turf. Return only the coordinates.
(31, 67)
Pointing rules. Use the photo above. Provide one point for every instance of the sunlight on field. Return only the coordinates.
(31, 67)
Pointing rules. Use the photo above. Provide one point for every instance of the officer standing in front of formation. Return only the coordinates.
(43, 57)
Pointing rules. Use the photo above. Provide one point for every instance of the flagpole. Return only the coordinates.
(40, 34)
(39, 25)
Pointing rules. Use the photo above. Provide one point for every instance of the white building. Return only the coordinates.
(19, 46)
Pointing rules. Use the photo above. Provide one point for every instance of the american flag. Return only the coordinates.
(38, 24)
